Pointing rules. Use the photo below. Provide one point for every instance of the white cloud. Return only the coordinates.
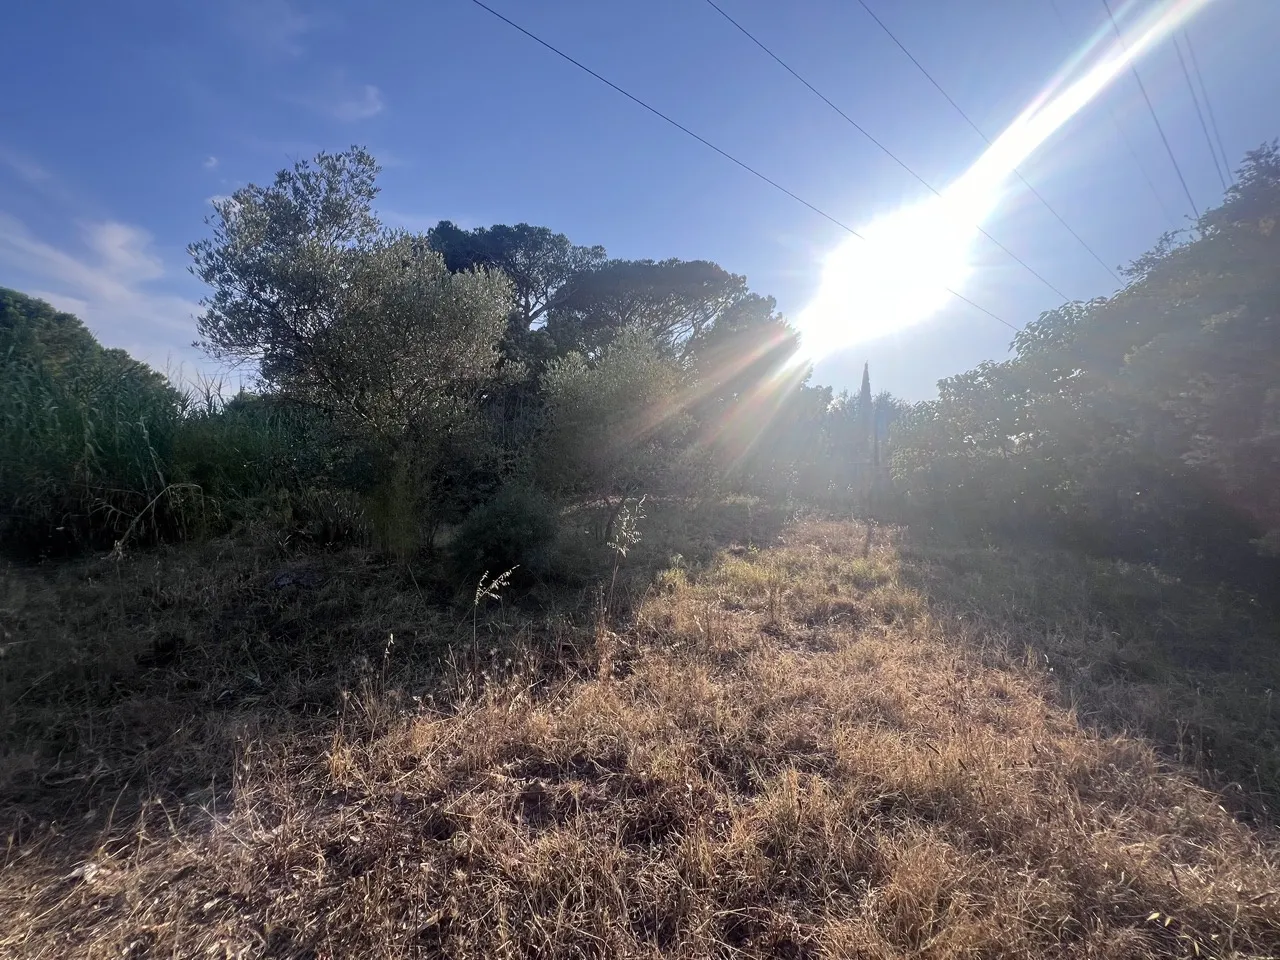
(274, 27)
(36, 177)
(210, 163)
(358, 104)
(109, 283)
(122, 251)
(26, 168)
(341, 99)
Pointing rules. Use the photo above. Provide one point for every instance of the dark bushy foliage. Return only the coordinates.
(1143, 425)
(85, 437)
(96, 447)
(516, 529)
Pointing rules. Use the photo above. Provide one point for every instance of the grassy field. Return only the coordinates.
(817, 740)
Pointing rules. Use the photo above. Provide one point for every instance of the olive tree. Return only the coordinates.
(615, 427)
(365, 324)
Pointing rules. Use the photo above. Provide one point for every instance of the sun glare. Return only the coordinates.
(903, 268)
(894, 278)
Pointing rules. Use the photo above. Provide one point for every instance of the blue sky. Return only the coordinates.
(122, 120)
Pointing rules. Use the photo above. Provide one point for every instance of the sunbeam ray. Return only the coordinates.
(902, 270)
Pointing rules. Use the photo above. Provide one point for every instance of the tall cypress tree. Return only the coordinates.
(866, 416)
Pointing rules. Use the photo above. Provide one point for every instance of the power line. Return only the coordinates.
(985, 139)
(1151, 107)
(707, 143)
(1182, 61)
(885, 150)
(1208, 106)
(1119, 128)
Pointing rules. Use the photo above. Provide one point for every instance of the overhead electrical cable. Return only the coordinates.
(1204, 126)
(987, 140)
(1152, 109)
(885, 150)
(1208, 105)
(707, 143)
(1119, 128)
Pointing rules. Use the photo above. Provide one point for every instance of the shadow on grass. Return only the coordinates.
(141, 683)
(796, 764)
(1194, 667)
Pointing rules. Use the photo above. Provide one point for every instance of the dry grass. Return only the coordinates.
(798, 751)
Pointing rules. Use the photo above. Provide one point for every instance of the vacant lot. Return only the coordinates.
(834, 742)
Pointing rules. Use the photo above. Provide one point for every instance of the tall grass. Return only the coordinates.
(103, 449)
(97, 450)
(85, 453)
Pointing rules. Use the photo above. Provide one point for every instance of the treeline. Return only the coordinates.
(405, 383)
(1145, 425)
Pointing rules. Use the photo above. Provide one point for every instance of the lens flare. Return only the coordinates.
(900, 273)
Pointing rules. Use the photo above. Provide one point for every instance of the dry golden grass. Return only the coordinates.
(793, 752)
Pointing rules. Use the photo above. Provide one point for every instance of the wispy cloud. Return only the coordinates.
(359, 103)
(109, 279)
(22, 165)
(35, 178)
(273, 27)
(339, 98)
(123, 251)
(210, 163)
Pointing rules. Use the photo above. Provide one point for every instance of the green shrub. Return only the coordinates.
(241, 447)
(517, 529)
(85, 438)
(96, 447)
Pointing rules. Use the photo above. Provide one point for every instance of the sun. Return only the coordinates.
(905, 265)
(895, 276)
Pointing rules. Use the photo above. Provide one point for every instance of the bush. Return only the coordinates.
(85, 438)
(244, 446)
(516, 529)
